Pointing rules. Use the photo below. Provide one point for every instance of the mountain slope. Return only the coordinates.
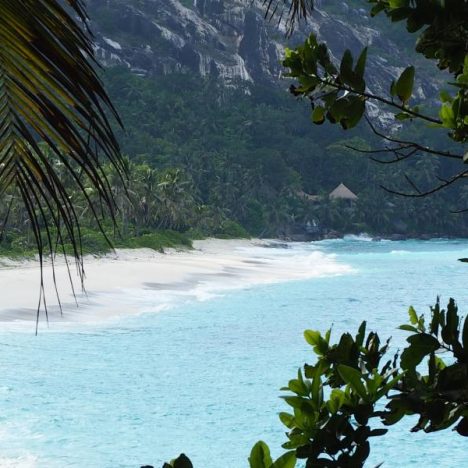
(231, 39)
(199, 88)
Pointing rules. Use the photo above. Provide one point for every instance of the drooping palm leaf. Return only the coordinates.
(291, 10)
(50, 92)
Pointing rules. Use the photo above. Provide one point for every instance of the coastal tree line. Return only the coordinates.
(243, 171)
(165, 205)
(206, 160)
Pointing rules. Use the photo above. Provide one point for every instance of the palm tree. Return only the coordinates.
(291, 10)
(50, 92)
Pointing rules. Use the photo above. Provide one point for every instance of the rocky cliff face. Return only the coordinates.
(230, 39)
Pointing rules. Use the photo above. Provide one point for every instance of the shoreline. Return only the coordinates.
(135, 281)
(333, 235)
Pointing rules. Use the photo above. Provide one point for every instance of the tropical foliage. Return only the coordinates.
(50, 92)
(333, 429)
(154, 210)
(240, 170)
(339, 92)
(250, 152)
(357, 387)
(362, 374)
(356, 383)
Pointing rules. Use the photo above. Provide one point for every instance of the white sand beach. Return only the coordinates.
(142, 280)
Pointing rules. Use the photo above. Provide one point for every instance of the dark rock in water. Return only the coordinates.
(398, 237)
(426, 237)
(376, 239)
(333, 235)
(299, 238)
(276, 245)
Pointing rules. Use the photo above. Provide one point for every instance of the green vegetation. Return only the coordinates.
(50, 91)
(369, 385)
(238, 162)
(209, 161)
(156, 209)
(333, 429)
(231, 161)
(355, 384)
(248, 153)
(93, 242)
(357, 388)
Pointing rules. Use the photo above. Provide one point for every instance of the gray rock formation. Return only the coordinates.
(231, 39)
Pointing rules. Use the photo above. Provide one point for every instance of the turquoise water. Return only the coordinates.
(204, 377)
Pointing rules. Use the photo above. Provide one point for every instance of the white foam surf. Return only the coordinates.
(142, 281)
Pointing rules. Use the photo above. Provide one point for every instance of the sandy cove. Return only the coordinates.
(130, 282)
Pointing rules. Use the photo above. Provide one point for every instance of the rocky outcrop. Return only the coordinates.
(231, 40)
(228, 40)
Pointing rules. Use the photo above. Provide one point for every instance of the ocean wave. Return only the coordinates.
(363, 237)
(28, 461)
(154, 283)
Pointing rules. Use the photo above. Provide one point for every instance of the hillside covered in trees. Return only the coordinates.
(227, 151)
(250, 154)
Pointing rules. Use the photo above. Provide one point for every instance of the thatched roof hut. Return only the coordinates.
(343, 193)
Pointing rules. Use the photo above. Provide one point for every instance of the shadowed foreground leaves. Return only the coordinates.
(338, 403)
(50, 93)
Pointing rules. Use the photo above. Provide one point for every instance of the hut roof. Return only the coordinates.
(343, 193)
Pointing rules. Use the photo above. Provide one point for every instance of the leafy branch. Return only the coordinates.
(50, 92)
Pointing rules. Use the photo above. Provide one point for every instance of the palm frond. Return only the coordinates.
(292, 10)
(50, 92)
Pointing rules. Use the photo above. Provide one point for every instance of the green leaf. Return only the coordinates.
(348, 76)
(447, 116)
(436, 319)
(316, 340)
(408, 328)
(346, 66)
(316, 389)
(182, 462)
(287, 419)
(337, 398)
(445, 96)
(403, 116)
(404, 84)
(287, 460)
(260, 456)
(397, 4)
(312, 337)
(376, 9)
(420, 346)
(465, 336)
(450, 330)
(353, 377)
(387, 387)
(361, 333)
(356, 109)
(413, 316)
(361, 63)
(318, 115)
